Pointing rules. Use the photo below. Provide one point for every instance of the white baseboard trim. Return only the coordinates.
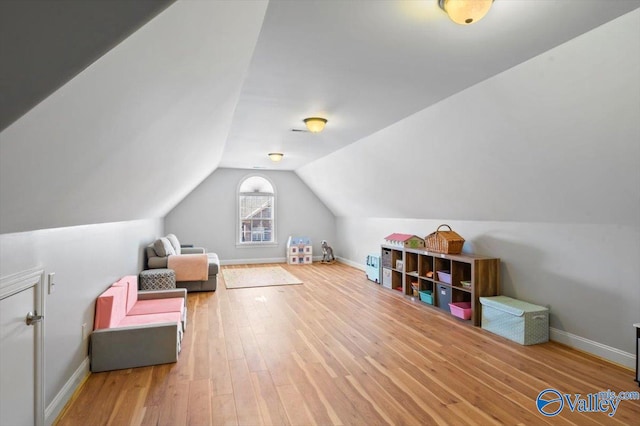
(351, 263)
(253, 261)
(259, 261)
(52, 412)
(598, 349)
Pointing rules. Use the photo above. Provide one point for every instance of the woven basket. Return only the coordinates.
(447, 242)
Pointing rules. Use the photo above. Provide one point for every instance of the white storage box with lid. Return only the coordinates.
(386, 277)
(522, 322)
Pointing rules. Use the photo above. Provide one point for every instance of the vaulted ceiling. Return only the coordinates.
(102, 122)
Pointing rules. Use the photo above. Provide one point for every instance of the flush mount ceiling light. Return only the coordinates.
(465, 12)
(315, 124)
(276, 156)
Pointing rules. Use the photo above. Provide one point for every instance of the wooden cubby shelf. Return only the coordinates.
(420, 267)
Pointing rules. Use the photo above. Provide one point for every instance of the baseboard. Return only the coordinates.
(253, 261)
(54, 409)
(258, 261)
(351, 263)
(614, 355)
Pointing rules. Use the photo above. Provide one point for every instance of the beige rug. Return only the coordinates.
(258, 277)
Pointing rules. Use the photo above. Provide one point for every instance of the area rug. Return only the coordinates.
(258, 277)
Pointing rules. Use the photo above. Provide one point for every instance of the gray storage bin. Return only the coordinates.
(516, 320)
(443, 298)
(386, 258)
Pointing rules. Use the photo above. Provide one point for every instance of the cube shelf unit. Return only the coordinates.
(482, 273)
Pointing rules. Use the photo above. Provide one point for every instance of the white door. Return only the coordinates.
(21, 349)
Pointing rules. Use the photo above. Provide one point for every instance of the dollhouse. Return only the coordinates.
(404, 240)
(299, 251)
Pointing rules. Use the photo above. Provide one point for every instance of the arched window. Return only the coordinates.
(256, 211)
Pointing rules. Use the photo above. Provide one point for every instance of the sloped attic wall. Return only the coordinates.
(539, 166)
(137, 130)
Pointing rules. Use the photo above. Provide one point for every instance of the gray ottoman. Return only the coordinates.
(157, 279)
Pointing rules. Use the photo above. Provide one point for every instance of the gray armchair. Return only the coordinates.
(158, 257)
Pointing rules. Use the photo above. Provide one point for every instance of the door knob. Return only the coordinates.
(33, 318)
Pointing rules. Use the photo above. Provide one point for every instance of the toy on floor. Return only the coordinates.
(373, 268)
(327, 253)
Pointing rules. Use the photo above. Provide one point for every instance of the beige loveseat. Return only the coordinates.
(195, 269)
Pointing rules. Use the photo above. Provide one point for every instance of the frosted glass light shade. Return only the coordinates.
(465, 12)
(276, 156)
(315, 124)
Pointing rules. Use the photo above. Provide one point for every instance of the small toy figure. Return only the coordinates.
(327, 253)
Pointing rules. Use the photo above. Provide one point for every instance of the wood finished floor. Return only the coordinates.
(342, 350)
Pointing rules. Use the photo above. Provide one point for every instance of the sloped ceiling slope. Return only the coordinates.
(365, 65)
(137, 130)
(44, 44)
(554, 139)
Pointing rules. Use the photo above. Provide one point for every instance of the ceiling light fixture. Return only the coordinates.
(276, 156)
(465, 12)
(315, 124)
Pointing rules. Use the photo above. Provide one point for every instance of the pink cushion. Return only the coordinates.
(132, 297)
(158, 306)
(150, 319)
(110, 307)
(131, 283)
(120, 283)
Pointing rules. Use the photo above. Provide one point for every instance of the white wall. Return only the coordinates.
(539, 165)
(86, 260)
(207, 216)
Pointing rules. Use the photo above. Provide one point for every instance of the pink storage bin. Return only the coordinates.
(461, 309)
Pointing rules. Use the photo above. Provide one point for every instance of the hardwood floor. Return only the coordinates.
(340, 349)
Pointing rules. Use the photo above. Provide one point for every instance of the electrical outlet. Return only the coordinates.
(84, 332)
(52, 284)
